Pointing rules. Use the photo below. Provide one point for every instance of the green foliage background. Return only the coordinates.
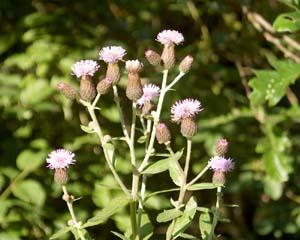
(39, 42)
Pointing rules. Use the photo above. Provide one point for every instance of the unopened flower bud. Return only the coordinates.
(133, 66)
(113, 72)
(186, 64)
(221, 147)
(104, 85)
(219, 177)
(188, 127)
(163, 134)
(87, 89)
(67, 90)
(153, 57)
(134, 90)
(168, 55)
(61, 176)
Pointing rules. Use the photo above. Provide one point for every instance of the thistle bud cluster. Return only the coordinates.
(219, 164)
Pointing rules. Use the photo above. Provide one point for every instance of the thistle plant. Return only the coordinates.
(147, 104)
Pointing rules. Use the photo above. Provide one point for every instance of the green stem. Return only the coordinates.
(68, 199)
(198, 176)
(10, 187)
(117, 100)
(156, 120)
(133, 220)
(185, 172)
(98, 131)
(216, 214)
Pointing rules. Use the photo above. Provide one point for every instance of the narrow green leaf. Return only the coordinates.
(188, 236)
(61, 232)
(205, 225)
(202, 186)
(183, 222)
(160, 192)
(113, 207)
(119, 235)
(168, 215)
(87, 129)
(30, 160)
(287, 22)
(175, 170)
(157, 167)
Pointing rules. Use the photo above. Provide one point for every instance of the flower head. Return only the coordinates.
(84, 68)
(133, 66)
(150, 91)
(170, 37)
(221, 164)
(112, 54)
(60, 159)
(186, 108)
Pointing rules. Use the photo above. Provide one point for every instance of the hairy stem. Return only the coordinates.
(69, 200)
(216, 214)
(97, 129)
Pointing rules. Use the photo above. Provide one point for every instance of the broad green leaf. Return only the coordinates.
(87, 129)
(30, 191)
(168, 215)
(183, 222)
(35, 92)
(202, 186)
(287, 22)
(175, 170)
(271, 85)
(205, 225)
(113, 207)
(157, 167)
(61, 232)
(29, 160)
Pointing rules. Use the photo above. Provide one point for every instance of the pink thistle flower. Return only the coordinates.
(60, 159)
(186, 108)
(150, 91)
(112, 54)
(221, 164)
(170, 37)
(84, 68)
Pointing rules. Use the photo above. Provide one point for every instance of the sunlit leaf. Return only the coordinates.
(168, 215)
(113, 207)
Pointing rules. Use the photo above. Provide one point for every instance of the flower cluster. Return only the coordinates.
(150, 91)
(222, 164)
(169, 37)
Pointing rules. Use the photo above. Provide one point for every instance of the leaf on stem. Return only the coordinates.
(175, 170)
(157, 167)
(168, 215)
(202, 186)
(61, 232)
(111, 152)
(205, 225)
(113, 207)
(87, 129)
(183, 222)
